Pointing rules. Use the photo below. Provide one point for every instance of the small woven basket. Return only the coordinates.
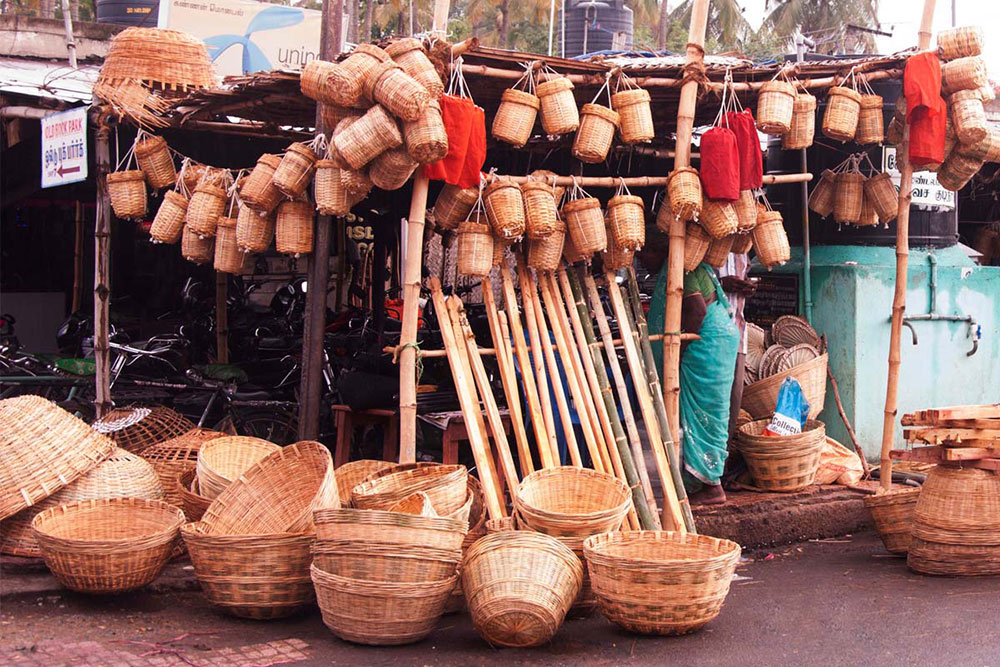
(353, 473)
(663, 583)
(153, 156)
(742, 244)
(585, 223)
(843, 107)
(892, 513)
(295, 171)
(222, 460)
(968, 116)
(883, 195)
(345, 83)
(107, 545)
(770, 240)
(313, 80)
(127, 191)
(616, 257)
(475, 248)
(822, 197)
(293, 228)
(196, 248)
(541, 218)
(746, 211)
(401, 95)
(372, 560)
(848, 199)
(367, 137)
(967, 73)
(504, 208)
(957, 170)
(960, 42)
(545, 253)
(760, 397)
(718, 251)
(453, 206)
(569, 501)
(169, 221)
(627, 221)
(515, 118)
(333, 114)
(718, 217)
(392, 169)
(595, 134)
(781, 463)
(331, 196)
(775, 107)
(987, 150)
(446, 485)
(869, 216)
(254, 232)
(635, 116)
(803, 128)
(410, 55)
(684, 193)
(228, 256)
(558, 106)
(259, 191)
(871, 127)
(426, 139)
(171, 458)
(696, 243)
(207, 205)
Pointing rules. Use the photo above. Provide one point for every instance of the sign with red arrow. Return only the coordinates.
(64, 147)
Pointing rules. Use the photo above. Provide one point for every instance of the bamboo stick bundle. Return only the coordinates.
(605, 401)
(640, 330)
(505, 362)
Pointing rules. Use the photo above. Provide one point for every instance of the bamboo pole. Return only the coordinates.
(102, 275)
(847, 422)
(675, 259)
(543, 436)
(645, 181)
(491, 351)
(505, 362)
(902, 266)
(470, 405)
(640, 331)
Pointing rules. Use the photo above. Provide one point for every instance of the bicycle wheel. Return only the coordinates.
(274, 425)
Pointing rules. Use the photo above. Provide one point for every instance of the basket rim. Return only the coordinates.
(893, 497)
(618, 200)
(516, 96)
(553, 86)
(600, 111)
(596, 545)
(126, 503)
(328, 515)
(126, 175)
(849, 93)
(778, 86)
(611, 480)
(403, 45)
(629, 97)
(195, 530)
(581, 204)
(427, 589)
(518, 538)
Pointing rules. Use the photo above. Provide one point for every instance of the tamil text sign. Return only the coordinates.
(926, 189)
(64, 147)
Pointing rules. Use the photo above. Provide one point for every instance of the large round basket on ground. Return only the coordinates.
(585, 602)
(252, 576)
(192, 502)
(759, 398)
(519, 585)
(405, 531)
(781, 462)
(374, 560)
(222, 460)
(570, 501)
(656, 582)
(445, 485)
(892, 513)
(353, 473)
(276, 495)
(136, 428)
(108, 545)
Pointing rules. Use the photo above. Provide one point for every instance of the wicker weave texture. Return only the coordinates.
(569, 501)
(169, 220)
(392, 169)
(425, 138)
(453, 205)
(515, 117)
(635, 115)
(409, 54)
(364, 139)
(193, 503)
(446, 485)
(541, 216)
(254, 232)
(293, 228)
(155, 161)
(167, 59)
(759, 398)
(504, 208)
(405, 531)
(892, 513)
(475, 249)
(135, 428)
(176, 456)
(558, 106)
(596, 133)
(843, 107)
(222, 460)
(696, 243)
(259, 191)
(353, 473)
(803, 128)
(127, 191)
(585, 223)
(207, 205)
(770, 239)
(718, 217)
(627, 221)
(775, 107)
(195, 248)
(960, 42)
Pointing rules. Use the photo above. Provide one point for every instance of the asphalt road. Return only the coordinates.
(835, 602)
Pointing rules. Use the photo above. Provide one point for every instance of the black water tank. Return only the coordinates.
(933, 228)
(128, 12)
(605, 25)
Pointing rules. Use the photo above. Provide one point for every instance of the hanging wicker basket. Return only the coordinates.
(367, 137)
(595, 134)
(127, 191)
(169, 221)
(684, 193)
(843, 108)
(410, 55)
(718, 251)
(616, 257)
(883, 195)
(987, 150)
(254, 232)
(871, 129)
(504, 207)
(453, 206)
(558, 106)
(803, 128)
(397, 91)
(869, 216)
(585, 223)
(207, 205)
(892, 513)
(770, 240)
(967, 73)
(426, 139)
(718, 217)
(821, 199)
(957, 170)
(196, 248)
(345, 83)
(775, 107)
(155, 161)
(293, 228)
(295, 171)
(392, 169)
(960, 42)
(541, 216)
(331, 196)
(742, 244)
(848, 199)
(259, 191)
(746, 211)
(635, 116)
(228, 256)
(546, 253)
(696, 243)
(968, 116)
(475, 249)
(515, 117)
(627, 221)
(313, 80)
(569, 501)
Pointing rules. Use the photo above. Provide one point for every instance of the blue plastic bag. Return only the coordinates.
(791, 410)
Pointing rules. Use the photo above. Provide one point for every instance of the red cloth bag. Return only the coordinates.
(458, 114)
(751, 159)
(926, 111)
(475, 155)
(720, 164)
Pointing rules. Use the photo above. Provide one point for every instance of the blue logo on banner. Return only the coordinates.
(254, 60)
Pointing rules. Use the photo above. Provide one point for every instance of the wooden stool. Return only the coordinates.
(455, 432)
(347, 420)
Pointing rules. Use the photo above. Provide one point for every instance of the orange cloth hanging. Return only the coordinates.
(457, 114)
(926, 111)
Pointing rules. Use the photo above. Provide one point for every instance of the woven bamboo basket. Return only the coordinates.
(515, 117)
(410, 55)
(400, 94)
(195, 248)
(759, 397)
(871, 127)
(453, 205)
(684, 193)
(392, 169)
(445, 485)
(477, 529)
(585, 602)
(616, 257)
(293, 228)
(894, 133)
(546, 253)
(956, 523)
(957, 170)
(843, 107)
(404, 531)
(127, 191)
(254, 232)
(475, 248)
(353, 473)
(696, 243)
(635, 116)
(585, 223)
(519, 585)
(548, 177)
(570, 253)
(987, 150)
(295, 171)
(375, 561)
(848, 199)
(968, 116)
(770, 239)
(193, 174)
(499, 252)
(883, 195)
(775, 107)
(504, 208)
(333, 114)
(595, 134)
(663, 583)
(193, 503)
(718, 217)
(967, 73)
(222, 460)
(869, 216)
(380, 613)
(781, 463)
(742, 244)
(136, 428)
(346, 82)
(541, 218)
(357, 184)
(328, 190)
(892, 513)
(803, 128)
(558, 106)
(746, 211)
(718, 251)
(155, 162)
(313, 80)
(960, 42)
(364, 139)
(276, 495)
(107, 545)
(426, 139)
(207, 205)
(175, 456)
(568, 501)
(169, 221)
(259, 191)
(627, 221)
(121, 475)
(228, 256)
(252, 576)
(821, 199)
(169, 61)
(415, 503)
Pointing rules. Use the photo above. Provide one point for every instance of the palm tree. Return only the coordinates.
(726, 24)
(826, 21)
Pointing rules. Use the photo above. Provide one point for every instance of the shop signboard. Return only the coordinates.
(926, 189)
(64, 147)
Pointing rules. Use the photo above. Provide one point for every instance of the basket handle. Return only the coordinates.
(606, 88)
(128, 159)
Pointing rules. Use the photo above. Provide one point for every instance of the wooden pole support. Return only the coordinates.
(102, 276)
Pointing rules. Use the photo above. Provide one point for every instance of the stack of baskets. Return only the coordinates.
(175, 456)
(223, 460)
(782, 463)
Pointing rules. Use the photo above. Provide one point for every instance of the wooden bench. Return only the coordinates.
(347, 420)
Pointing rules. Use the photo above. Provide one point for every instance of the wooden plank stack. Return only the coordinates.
(963, 435)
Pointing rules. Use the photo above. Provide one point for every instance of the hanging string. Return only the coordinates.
(605, 88)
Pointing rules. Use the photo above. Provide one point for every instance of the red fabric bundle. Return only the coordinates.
(720, 164)
(476, 153)
(457, 113)
(751, 159)
(926, 111)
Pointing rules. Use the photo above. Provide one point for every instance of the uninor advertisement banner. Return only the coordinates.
(244, 36)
